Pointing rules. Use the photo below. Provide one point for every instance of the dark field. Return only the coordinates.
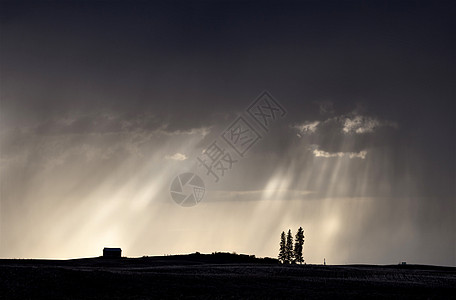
(217, 277)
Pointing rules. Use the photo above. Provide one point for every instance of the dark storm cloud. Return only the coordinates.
(355, 131)
(100, 123)
(187, 64)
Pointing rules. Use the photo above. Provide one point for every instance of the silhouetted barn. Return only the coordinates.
(112, 252)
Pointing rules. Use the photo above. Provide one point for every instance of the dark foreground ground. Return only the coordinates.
(217, 277)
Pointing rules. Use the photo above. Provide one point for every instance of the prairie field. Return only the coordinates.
(199, 276)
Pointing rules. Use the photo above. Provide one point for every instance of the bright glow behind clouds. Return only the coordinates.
(75, 198)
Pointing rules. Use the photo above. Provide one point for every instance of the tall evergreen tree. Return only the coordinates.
(289, 247)
(299, 243)
(282, 251)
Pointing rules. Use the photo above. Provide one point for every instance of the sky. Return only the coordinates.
(334, 116)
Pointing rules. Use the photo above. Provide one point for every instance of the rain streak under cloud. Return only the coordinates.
(103, 105)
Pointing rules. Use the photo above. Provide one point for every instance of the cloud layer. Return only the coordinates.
(104, 104)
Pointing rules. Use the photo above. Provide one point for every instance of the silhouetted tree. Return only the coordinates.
(289, 247)
(299, 242)
(282, 251)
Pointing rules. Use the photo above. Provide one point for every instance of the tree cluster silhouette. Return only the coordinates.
(289, 254)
